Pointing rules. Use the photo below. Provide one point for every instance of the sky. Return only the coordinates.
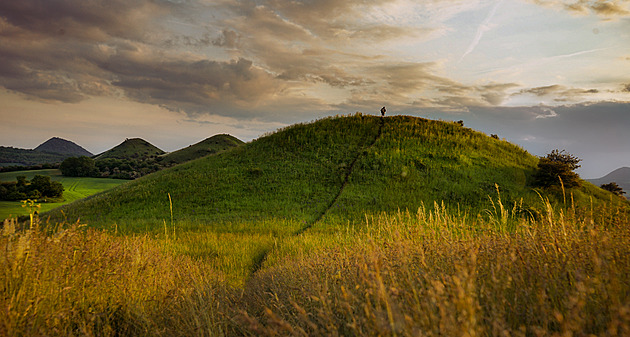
(543, 74)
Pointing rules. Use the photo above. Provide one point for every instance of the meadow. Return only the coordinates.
(352, 226)
(427, 272)
(74, 189)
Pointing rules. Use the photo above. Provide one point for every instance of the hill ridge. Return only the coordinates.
(131, 148)
(62, 146)
(208, 146)
(621, 176)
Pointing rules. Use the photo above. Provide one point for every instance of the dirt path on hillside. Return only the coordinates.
(259, 260)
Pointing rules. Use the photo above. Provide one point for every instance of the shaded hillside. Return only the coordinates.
(204, 148)
(335, 168)
(621, 176)
(58, 145)
(131, 148)
(10, 156)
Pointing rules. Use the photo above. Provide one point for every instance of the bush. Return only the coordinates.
(614, 188)
(556, 169)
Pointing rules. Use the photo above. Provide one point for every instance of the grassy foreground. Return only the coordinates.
(431, 272)
(74, 189)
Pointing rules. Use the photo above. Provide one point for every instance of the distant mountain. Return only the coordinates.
(52, 151)
(621, 176)
(58, 145)
(208, 146)
(133, 149)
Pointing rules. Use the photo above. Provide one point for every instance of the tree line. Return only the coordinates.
(108, 168)
(38, 187)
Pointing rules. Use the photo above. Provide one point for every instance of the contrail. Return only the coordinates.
(483, 27)
(575, 54)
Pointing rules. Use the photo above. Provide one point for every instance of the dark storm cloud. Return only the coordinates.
(48, 49)
(67, 50)
(95, 20)
(191, 85)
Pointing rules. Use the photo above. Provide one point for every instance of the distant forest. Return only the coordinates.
(10, 156)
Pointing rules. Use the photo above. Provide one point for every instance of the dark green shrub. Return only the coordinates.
(614, 188)
(557, 169)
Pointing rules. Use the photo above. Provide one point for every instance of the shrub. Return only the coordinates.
(556, 169)
(614, 188)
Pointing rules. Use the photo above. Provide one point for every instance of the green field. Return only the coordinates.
(74, 189)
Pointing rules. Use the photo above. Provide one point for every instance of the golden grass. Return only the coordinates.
(560, 272)
(86, 282)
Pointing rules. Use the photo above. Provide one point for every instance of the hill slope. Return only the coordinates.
(335, 168)
(208, 146)
(621, 176)
(58, 145)
(131, 148)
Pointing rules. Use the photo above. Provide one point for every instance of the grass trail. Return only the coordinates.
(260, 259)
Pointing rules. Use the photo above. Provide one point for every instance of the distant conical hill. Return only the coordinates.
(59, 145)
(204, 148)
(54, 150)
(337, 169)
(621, 176)
(131, 148)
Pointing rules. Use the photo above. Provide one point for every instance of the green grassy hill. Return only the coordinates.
(208, 146)
(338, 167)
(131, 148)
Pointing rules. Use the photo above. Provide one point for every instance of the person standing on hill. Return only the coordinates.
(383, 110)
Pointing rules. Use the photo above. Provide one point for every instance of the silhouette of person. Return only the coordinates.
(383, 110)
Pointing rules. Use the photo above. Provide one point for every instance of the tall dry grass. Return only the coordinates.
(560, 272)
(429, 274)
(83, 282)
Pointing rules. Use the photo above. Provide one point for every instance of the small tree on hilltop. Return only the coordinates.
(557, 166)
(614, 188)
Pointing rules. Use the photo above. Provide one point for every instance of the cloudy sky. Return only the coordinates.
(543, 74)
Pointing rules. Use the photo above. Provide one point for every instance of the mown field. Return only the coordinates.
(74, 189)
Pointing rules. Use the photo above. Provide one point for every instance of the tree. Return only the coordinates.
(614, 188)
(557, 166)
(78, 167)
(46, 187)
(39, 186)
